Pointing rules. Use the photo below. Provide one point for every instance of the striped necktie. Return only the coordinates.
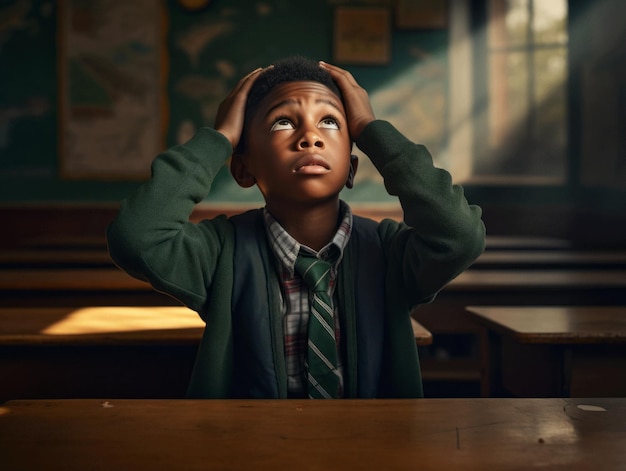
(321, 363)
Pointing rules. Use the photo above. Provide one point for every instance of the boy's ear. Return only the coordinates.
(354, 164)
(239, 171)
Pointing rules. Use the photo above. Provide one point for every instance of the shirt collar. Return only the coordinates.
(286, 248)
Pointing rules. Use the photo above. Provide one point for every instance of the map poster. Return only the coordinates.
(112, 88)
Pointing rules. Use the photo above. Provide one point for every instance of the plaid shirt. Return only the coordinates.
(295, 294)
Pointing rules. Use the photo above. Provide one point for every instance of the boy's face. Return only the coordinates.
(298, 145)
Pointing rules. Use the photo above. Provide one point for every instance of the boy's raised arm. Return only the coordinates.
(445, 234)
(152, 237)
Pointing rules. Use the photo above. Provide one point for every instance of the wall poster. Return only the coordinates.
(362, 36)
(112, 88)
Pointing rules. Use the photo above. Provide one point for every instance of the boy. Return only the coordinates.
(290, 129)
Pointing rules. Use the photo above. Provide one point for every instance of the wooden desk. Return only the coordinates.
(435, 434)
(552, 350)
(457, 335)
(422, 335)
(100, 325)
(117, 351)
(114, 325)
(97, 351)
(519, 287)
(445, 317)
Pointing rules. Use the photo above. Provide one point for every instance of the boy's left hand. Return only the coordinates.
(356, 100)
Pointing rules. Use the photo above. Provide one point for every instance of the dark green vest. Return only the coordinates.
(259, 361)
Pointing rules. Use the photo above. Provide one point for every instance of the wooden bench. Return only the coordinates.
(553, 351)
(56, 258)
(500, 259)
(551, 259)
(515, 285)
(492, 281)
(501, 253)
(72, 287)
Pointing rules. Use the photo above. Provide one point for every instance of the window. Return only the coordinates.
(527, 71)
(518, 110)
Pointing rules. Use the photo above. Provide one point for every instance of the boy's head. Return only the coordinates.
(291, 69)
(295, 143)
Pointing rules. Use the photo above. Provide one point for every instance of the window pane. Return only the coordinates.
(526, 122)
(517, 21)
(509, 23)
(549, 21)
(550, 114)
(509, 100)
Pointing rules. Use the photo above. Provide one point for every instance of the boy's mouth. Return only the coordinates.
(311, 164)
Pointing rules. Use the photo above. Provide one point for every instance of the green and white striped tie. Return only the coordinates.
(321, 362)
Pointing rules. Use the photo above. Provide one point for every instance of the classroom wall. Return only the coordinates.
(199, 55)
(51, 91)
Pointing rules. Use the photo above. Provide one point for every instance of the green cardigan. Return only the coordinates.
(152, 239)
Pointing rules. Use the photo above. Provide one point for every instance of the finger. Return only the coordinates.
(339, 73)
(252, 76)
(244, 80)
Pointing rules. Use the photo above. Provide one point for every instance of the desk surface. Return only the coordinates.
(555, 324)
(100, 324)
(345, 434)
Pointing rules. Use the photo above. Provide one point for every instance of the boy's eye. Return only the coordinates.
(329, 123)
(281, 124)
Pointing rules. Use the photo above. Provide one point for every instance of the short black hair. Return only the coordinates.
(290, 69)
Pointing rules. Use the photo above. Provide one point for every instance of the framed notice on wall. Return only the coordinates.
(422, 14)
(111, 88)
(362, 35)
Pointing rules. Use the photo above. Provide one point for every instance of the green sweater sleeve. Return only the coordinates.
(152, 238)
(441, 235)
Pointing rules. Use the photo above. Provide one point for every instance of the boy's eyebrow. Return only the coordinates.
(291, 100)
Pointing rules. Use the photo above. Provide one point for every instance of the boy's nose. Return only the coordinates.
(310, 139)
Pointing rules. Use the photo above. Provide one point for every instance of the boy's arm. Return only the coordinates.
(443, 234)
(152, 238)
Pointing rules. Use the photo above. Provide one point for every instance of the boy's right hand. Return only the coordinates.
(231, 112)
